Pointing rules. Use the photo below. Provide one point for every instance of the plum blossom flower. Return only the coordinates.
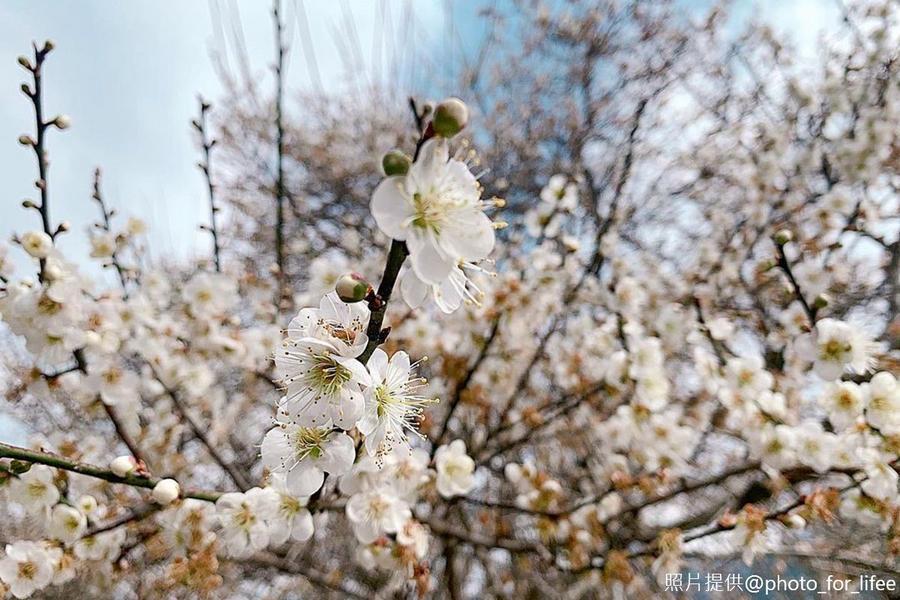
(838, 346)
(304, 454)
(436, 209)
(26, 568)
(455, 470)
(322, 385)
(67, 523)
(335, 322)
(449, 294)
(242, 517)
(376, 512)
(845, 402)
(291, 520)
(393, 404)
(883, 403)
(35, 489)
(210, 294)
(37, 243)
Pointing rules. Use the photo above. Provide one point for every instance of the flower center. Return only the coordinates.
(834, 350)
(308, 442)
(429, 212)
(27, 570)
(328, 375)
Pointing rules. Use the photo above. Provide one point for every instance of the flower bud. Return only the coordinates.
(450, 117)
(87, 504)
(24, 62)
(783, 237)
(821, 301)
(352, 287)
(26, 140)
(123, 466)
(166, 491)
(49, 45)
(395, 163)
(62, 122)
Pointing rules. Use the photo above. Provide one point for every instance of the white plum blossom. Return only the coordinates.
(67, 523)
(26, 568)
(243, 520)
(210, 294)
(37, 243)
(304, 454)
(837, 347)
(291, 520)
(436, 209)
(324, 382)
(35, 489)
(455, 470)
(883, 403)
(376, 512)
(393, 403)
(845, 403)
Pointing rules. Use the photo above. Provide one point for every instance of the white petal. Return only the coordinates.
(338, 454)
(412, 288)
(391, 208)
(377, 366)
(427, 261)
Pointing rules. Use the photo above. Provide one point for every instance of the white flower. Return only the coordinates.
(845, 403)
(67, 523)
(37, 243)
(393, 405)
(415, 537)
(560, 191)
(103, 245)
(27, 568)
(436, 209)
(305, 454)
(815, 446)
(243, 520)
(881, 478)
(448, 295)
(103, 546)
(883, 403)
(338, 323)
(291, 520)
(34, 489)
(322, 385)
(376, 512)
(166, 491)
(839, 346)
(774, 445)
(210, 294)
(455, 470)
(114, 383)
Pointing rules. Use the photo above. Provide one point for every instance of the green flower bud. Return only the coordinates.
(450, 117)
(352, 287)
(395, 163)
(782, 237)
(821, 301)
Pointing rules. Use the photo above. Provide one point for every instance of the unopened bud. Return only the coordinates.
(26, 140)
(352, 287)
(821, 301)
(28, 203)
(166, 491)
(123, 466)
(794, 521)
(49, 45)
(450, 117)
(62, 122)
(783, 237)
(395, 163)
(24, 62)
